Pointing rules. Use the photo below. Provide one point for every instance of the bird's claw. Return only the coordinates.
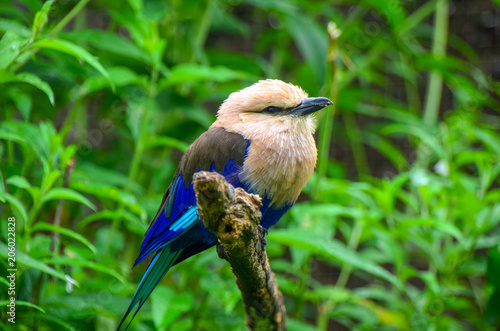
(264, 240)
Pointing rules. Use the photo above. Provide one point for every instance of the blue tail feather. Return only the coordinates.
(169, 249)
(161, 263)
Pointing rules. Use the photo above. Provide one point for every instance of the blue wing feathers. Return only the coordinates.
(176, 232)
(180, 199)
(184, 223)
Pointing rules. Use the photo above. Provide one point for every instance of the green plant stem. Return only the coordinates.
(140, 144)
(10, 152)
(31, 219)
(201, 34)
(416, 17)
(53, 32)
(66, 19)
(358, 150)
(303, 281)
(324, 310)
(325, 136)
(435, 86)
(139, 147)
(80, 22)
(80, 123)
(326, 124)
(277, 57)
(345, 272)
(411, 86)
(55, 243)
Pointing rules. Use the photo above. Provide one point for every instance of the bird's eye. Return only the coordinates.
(272, 110)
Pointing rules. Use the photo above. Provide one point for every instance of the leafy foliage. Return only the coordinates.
(100, 98)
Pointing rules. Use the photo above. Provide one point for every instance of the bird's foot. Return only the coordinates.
(264, 240)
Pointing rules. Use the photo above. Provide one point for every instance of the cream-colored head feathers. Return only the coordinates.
(242, 113)
(282, 153)
(264, 93)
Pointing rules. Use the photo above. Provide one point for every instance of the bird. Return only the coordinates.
(262, 141)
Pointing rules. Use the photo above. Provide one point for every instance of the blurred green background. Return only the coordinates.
(397, 230)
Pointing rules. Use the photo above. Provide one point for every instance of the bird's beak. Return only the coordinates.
(311, 105)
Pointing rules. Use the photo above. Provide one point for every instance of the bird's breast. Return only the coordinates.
(279, 164)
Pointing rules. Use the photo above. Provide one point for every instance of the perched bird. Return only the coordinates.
(261, 141)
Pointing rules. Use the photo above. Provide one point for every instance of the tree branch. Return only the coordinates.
(233, 216)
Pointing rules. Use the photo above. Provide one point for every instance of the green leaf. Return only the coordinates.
(184, 73)
(430, 279)
(67, 154)
(112, 193)
(41, 18)
(38, 83)
(11, 136)
(35, 316)
(168, 305)
(311, 40)
(74, 50)
(49, 179)
(132, 222)
(393, 11)
(443, 226)
(26, 260)
(67, 194)
(330, 293)
(92, 174)
(494, 266)
(22, 303)
(152, 10)
(163, 141)
(135, 112)
(332, 249)
(17, 205)
(446, 65)
(120, 76)
(240, 61)
(294, 325)
(391, 152)
(110, 42)
(22, 101)
(491, 314)
(31, 134)
(427, 137)
(100, 215)
(336, 210)
(86, 264)
(25, 77)
(41, 226)
(10, 47)
(488, 138)
(15, 27)
(198, 115)
(48, 136)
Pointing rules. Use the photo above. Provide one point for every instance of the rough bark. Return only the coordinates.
(233, 216)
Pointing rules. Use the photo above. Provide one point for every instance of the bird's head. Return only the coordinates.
(270, 104)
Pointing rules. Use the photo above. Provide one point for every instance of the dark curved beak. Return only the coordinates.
(311, 105)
